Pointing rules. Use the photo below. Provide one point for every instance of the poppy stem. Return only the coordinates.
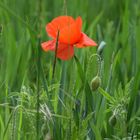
(99, 62)
(56, 47)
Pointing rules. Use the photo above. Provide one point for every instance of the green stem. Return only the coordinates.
(56, 48)
(99, 63)
(38, 69)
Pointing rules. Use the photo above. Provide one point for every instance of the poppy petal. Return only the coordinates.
(49, 45)
(71, 33)
(85, 41)
(79, 22)
(65, 51)
(57, 24)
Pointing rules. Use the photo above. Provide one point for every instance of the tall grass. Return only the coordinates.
(35, 106)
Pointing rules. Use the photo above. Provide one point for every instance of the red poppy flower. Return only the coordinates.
(70, 35)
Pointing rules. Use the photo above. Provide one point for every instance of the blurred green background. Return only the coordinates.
(35, 106)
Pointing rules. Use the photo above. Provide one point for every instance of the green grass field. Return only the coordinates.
(38, 102)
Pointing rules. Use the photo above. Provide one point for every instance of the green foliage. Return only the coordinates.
(34, 106)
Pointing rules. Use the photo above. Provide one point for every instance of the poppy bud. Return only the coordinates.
(101, 47)
(112, 120)
(48, 136)
(95, 83)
